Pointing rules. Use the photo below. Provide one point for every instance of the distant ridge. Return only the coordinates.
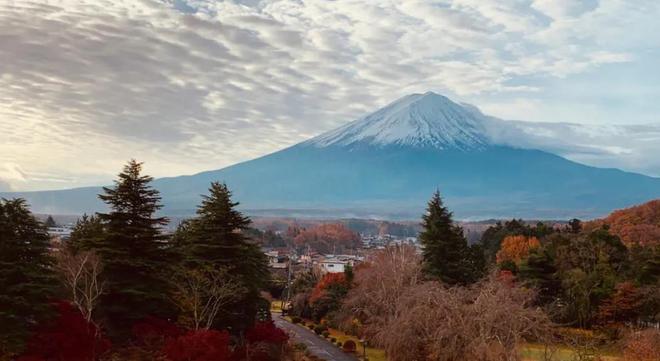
(388, 163)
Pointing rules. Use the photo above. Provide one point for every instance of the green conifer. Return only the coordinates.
(26, 277)
(86, 233)
(446, 254)
(216, 237)
(133, 252)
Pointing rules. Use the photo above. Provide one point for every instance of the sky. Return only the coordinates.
(194, 85)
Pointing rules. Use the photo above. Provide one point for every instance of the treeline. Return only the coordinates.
(122, 289)
(584, 277)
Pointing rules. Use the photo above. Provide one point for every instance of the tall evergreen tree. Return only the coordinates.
(26, 277)
(216, 237)
(447, 256)
(86, 233)
(133, 253)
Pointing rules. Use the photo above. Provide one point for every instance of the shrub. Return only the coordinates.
(153, 331)
(201, 345)
(69, 337)
(319, 329)
(349, 346)
(333, 340)
(296, 320)
(266, 331)
(325, 334)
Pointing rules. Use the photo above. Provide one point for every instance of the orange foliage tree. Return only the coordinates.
(635, 225)
(329, 237)
(329, 280)
(515, 248)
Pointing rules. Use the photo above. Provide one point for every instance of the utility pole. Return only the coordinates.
(288, 282)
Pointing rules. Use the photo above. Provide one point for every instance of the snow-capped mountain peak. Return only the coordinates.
(419, 120)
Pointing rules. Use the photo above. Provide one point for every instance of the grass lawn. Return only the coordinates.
(533, 352)
(373, 354)
(276, 306)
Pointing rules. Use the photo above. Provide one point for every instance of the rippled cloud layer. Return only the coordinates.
(192, 85)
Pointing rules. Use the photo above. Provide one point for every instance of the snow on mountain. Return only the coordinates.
(431, 120)
(419, 120)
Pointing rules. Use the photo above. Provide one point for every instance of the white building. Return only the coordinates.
(337, 263)
(60, 232)
(333, 265)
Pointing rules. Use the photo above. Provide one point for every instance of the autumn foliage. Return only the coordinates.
(68, 338)
(635, 225)
(622, 306)
(327, 237)
(266, 331)
(515, 248)
(200, 345)
(643, 346)
(328, 281)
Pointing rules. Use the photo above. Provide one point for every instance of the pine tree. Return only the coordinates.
(446, 254)
(86, 233)
(133, 253)
(216, 237)
(539, 271)
(26, 277)
(50, 222)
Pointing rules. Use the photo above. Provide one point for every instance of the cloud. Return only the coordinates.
(192, 85)
(5, 186)
(610, 146)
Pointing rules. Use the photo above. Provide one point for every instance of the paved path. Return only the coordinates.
(318, 346)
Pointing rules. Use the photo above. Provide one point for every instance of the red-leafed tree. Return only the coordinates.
(200, 345)
(266, 331)
(329, 282)
(68, 338)
(622, 306)
(265, 342)
(328, 294)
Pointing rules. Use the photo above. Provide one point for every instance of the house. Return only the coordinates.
(277, 259)
(337, 263)
(333, 265)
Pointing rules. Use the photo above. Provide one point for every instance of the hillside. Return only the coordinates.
(639, 224)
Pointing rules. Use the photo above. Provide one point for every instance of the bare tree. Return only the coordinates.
(80, 272)
(201, 293)
(379, 286)
(414, 319)
(487, 321)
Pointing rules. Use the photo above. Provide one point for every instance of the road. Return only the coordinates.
(318, 346)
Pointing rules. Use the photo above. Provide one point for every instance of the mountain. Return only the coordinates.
(417, 120)
(388, 163)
